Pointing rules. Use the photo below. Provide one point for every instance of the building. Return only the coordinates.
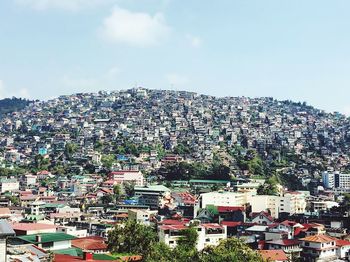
(141, 215)
(274, 255)
(336, 180)
(151, 195)
(33, 228)
(318, 248)
(291, 203)
(127, 176)
(48, 241)
(5, 232)
(8, 185)
(223, 198)
(208, 234)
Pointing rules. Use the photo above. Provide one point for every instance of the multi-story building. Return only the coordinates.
(224, 198)
(151, 195)
(290, 202)
(336, 180)
(319, 248)
(9, 185)
(208, 234)
(127, 176)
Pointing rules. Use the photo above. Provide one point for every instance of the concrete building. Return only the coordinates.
(8, 185)
(224, 198)
(208, 234)
(319, 248)
(336, 180)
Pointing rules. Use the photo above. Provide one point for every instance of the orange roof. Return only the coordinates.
(32, 226)
(273, 255)
(90, 243)
(319, 239)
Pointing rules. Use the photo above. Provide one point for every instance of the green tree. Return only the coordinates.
(231, 249)
(117, 190)
(129, 188)
(106, 199)
(108, 161)
(132, 237)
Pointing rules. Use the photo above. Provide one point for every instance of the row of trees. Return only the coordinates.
(138, 239)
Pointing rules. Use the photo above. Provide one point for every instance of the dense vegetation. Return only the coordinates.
(136, 238)
(9, 105)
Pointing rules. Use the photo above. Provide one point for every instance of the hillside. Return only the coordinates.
(138, 128)
(9, 105)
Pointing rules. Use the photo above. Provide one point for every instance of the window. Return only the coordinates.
(306, 244)
(207, 240)
(171, 242)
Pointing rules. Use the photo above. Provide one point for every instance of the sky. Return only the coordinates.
(297, 50)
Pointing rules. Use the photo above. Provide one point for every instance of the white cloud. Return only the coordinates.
(176, 80)
(71, 5)
(134, 28)
(194, 41)
(4, 93)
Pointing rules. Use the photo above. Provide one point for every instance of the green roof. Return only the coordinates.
(46, 237)
(77, 252)
(152, 188)
(48, 205)
(70, 251)
(209, 181)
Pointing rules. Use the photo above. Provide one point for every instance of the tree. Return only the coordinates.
(159, 252)
(231, 249)
(129, 188)
(117, 190)
(108, 161)
(106, 199)
(132, 237)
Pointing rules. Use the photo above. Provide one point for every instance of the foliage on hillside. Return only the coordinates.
(9, 105)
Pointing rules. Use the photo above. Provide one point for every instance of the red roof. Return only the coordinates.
(231, 223)
(211, 225)
(222, 209)
(263, 213)
(32, 226)
(174, 222)
(341, 243)
(173, 227)
(273, 255)
(90, 243)
(284, 242)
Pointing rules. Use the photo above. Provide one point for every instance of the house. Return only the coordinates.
(262, 218)
(141, 215)
(291, 247)
(319, 247)
(23, 229)
(4, 212)
(8, 185)
(5, 232)
(130, 176)
(151, 195)
(208, 234)
(343, 250)
(48, 241)
(274, 255)
(92, 244)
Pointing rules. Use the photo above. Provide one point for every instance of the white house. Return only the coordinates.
(319, 247)
(208, 234)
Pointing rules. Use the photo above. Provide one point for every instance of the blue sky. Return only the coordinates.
(298, 50)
